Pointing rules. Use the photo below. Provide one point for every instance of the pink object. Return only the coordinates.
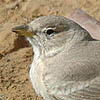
(87, 22)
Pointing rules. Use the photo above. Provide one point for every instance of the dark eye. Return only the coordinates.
(50, 31)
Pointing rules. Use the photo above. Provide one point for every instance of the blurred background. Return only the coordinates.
(15, 52)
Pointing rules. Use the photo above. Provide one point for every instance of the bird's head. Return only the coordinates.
(48, 33)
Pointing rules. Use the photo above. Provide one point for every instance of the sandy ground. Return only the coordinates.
(15, 52)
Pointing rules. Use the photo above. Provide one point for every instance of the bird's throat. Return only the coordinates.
(36, 49)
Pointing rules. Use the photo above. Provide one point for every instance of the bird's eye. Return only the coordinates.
(50, 31)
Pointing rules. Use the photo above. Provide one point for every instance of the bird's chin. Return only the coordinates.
(32, 41)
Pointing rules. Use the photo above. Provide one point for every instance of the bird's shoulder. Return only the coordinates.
(79, 54)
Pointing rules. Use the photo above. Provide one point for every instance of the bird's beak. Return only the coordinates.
(22, 30)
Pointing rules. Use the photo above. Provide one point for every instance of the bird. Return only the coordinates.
(66, 62)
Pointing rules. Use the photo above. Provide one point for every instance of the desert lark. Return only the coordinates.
(66, 64)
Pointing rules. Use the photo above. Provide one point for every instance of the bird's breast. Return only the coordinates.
(36, 76)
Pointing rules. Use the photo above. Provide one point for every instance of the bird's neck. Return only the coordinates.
(37, 53)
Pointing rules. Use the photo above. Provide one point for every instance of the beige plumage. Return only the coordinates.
(66, 64)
